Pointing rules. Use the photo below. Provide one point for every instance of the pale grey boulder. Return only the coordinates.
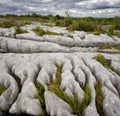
(29, 36)
(9, 95)
(61, 40)
(24, 46)
(116, 65)
(59, 30)
(25, 70)
(90, 81)
(115, 79)
(47, 74)
(79, 74)
(111, 104)
(7, 32)
(94, 40)
(70, 86)
(55, 106)
(102, 75)
(26, 101)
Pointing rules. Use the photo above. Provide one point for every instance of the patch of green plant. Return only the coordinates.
(24, 22)
(69, 35)
(77, 107)
(40, 96)
(111, 31)
(2, 89)
(41, 31)
(106, 63)
(96, 33)
(19, 30)
(105, 46)
(7, 24)
(117, 34)
(99, 98)
(82, 26)
(119, 94)
(117, 47)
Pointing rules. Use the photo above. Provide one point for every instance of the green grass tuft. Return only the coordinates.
(41, 31)
(40, 96)
(2, 89)
(19, 30)
(104, 46)
(117, 47)
(106, 63)
(99, 98)
(77, 107)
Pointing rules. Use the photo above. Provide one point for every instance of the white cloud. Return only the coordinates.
(96, 8)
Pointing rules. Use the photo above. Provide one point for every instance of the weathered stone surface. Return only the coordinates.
(56, 106)
(22, 63)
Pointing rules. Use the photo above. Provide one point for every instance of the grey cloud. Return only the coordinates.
(94, 8)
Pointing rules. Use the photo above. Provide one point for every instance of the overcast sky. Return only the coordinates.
(81, 8)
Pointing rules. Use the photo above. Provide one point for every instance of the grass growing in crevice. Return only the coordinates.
(41, 31)
(106, 63)
(99, 98)
(19, 30)
(119, 94)
(2, 89)
(40, 96)
(77, 107)
(104, 46)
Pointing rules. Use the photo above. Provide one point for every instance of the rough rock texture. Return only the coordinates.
(25, 59)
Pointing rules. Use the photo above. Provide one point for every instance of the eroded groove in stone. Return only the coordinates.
(111, 102)
(75, 72)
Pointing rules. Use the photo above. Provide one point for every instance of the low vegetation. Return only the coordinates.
(110, 26)
(99, 98)
(2, 89)
(105, 46)
(19, 30)
(40, 96)
(106, 63)
(8, 23)
(77, 107)
(41, 31)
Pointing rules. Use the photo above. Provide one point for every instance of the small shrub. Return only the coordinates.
(111, 31)
(2, 89)
(7, 24)
(82, 26)
(19, 30)
(41, 32)
(24, 22)
(67, 22)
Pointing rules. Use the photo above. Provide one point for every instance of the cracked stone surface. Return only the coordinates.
(26, 58)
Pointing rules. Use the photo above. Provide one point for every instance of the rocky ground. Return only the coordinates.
(58, 75)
